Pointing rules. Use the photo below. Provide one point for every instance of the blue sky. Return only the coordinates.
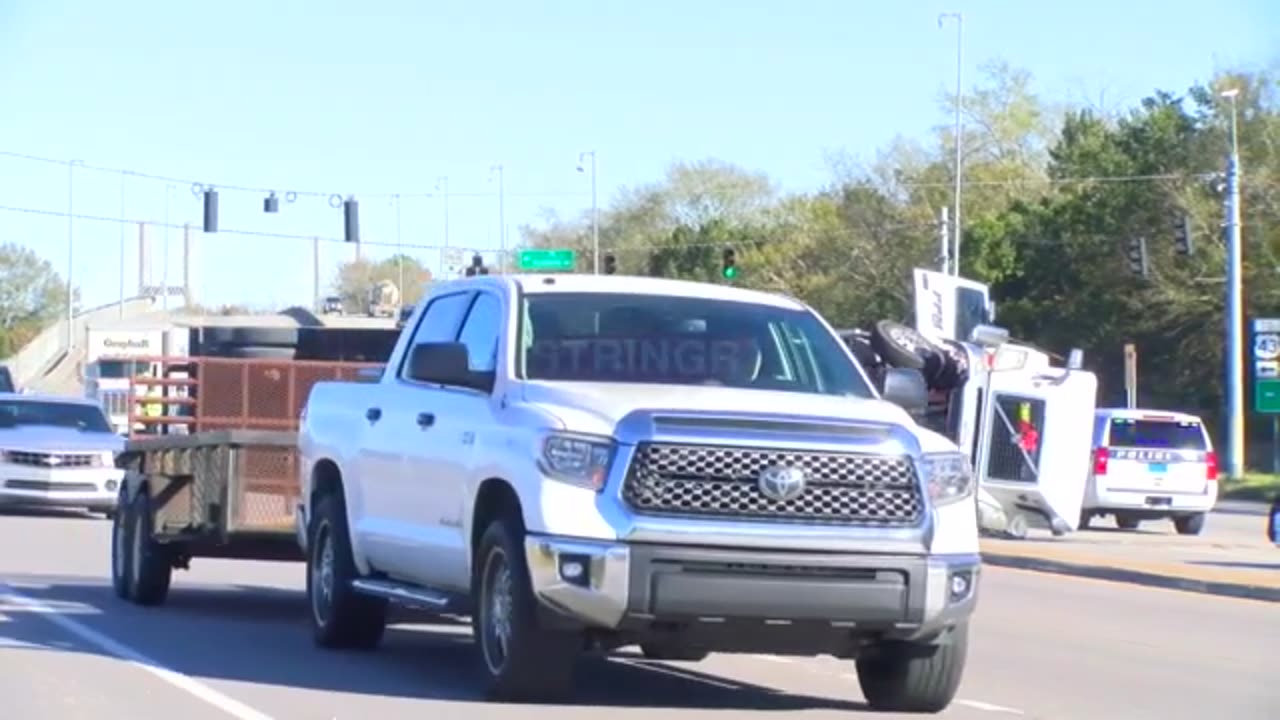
(387, 96)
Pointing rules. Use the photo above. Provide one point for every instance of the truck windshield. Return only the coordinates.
(614, 337)
(1163, 434)
(17, 413)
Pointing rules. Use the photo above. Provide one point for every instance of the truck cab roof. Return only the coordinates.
(619, 284)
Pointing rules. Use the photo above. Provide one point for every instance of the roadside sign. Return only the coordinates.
(1266, 365)
(546, 260)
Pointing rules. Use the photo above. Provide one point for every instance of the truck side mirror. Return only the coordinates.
(906, 388)
(446, 363)
(989, 336)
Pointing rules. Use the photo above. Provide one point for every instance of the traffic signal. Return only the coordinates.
(610, 264)
(211, 211)
(730, 269)
(351, 220)
(1136, 255)
(1182, 235)
(477, 266)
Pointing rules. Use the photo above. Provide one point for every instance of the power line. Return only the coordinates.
(197, 186)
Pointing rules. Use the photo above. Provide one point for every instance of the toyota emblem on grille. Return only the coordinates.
(782, 483)
(52, 460)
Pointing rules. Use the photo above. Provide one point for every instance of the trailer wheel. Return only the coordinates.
(121, 542)
(340, 617)
(150, 567)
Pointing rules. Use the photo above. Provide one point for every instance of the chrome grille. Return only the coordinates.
(842, 488)
(51, 460)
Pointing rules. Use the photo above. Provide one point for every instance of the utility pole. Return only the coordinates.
(399, 249)
(144, 265)
(502, 221)
(122, 251)
(71, 251)
(944, 239)
(1235, 302)
(186, 265)
(315, 274)
(959, 129)
(595, 211)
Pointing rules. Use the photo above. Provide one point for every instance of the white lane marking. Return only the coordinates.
(667, 670)
(773, 658)
(989, 707)
(226, 704)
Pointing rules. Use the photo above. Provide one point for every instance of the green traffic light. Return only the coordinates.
(730, 273)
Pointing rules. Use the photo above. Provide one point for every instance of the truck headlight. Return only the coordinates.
(948, 476)
(577, 459)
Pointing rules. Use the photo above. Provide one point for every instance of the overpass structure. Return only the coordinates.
(48, 365)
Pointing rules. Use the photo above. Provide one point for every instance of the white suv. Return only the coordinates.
(1151, 465)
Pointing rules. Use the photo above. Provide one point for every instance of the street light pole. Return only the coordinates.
(443, 184)
(399, 250)
(71, 251)
(122, 253)
(595, 211)
(1235, 302)
(959, 130)
(502, 222)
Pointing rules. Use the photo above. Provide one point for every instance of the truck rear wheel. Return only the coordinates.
(1189, 524)
(915, 677)
(340, 617)
(150, 569)
(523, 661)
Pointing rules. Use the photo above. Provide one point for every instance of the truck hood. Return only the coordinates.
(597, 407)
(40, 438)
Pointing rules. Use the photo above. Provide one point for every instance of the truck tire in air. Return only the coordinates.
(340, 617)
(271, 336)
(903, 346)
(914, 677)
(522, 661)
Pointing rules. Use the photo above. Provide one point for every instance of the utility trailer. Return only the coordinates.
(211, 466)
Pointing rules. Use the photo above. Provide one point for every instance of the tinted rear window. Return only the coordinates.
(1164, 434)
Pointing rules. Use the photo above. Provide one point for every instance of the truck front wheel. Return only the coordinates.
(523, 661)
(340, 617)
(914, 677)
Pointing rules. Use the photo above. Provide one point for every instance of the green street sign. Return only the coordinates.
(1266, 365)
(546, 260)
(1266, 396)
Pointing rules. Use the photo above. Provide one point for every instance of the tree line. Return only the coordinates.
(1053, 196)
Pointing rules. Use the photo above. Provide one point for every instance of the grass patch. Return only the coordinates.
(1253, 486)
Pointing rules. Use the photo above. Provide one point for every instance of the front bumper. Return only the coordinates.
(94, 488)
(617, 585)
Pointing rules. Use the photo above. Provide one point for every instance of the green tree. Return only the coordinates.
(32, 296)
(355, 279)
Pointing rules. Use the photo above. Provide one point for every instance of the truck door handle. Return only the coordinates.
(373, 414)
(426, 420)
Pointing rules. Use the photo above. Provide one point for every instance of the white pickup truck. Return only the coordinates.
(582, 463)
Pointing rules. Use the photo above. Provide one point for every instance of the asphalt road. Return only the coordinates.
(232, 643)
